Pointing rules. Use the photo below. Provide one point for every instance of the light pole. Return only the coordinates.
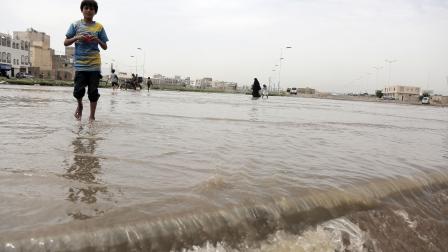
(280, 65)
(390, 68)
(132, 56)
(144, 60)
(270, 77)
(367, 83)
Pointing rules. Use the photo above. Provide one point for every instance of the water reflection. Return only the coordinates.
(84, 171)
(113, 102)
(253, 113)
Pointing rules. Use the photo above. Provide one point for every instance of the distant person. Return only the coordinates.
(87, 35)
(114, 80)
(264, 92)
(134, 81)
(256, 89)
(149, 83)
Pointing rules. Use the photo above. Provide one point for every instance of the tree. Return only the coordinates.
(379, 93)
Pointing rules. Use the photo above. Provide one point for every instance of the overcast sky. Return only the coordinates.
(335, 43)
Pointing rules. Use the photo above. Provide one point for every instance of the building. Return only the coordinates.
(225, 85)
(14, 55)
(161, 80)
(306, 90)
(63, 68)
(204, 82)
(439, 100)
(402, 93)
(41, 55)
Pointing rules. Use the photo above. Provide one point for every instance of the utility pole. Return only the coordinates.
(280, 66)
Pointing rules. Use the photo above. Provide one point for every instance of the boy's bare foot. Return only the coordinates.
(78, 112)
(92, 111)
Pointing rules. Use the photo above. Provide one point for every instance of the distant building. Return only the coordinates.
(306, 90)
(41, 55)
(402, 93)
(204, 82)
(14, 55)
(63, 68)
(70, 52)
(161, 80)
(225, 85)
(439, 99)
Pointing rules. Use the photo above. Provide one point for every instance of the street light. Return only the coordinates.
(144, 60)
(270, 78)
(132, 56)
(280, 65)
(390, 68)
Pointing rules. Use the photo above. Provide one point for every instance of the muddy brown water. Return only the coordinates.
(180, 171)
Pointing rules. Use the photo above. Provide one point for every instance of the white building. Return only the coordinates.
(402, 93)
(14, 55)
(206, 82)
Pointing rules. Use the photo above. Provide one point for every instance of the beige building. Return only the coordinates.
(63, 68)
(402, 93)
(206, 82)
(439, 100)
(41, 55)
(306, 90)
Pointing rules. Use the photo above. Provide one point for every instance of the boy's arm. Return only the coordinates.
(101, 43)
(102, 39)
(72, 36)
(70, 41)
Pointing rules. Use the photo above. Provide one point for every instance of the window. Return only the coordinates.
(3, 41)
(27, 61)
(9, 58)
(22, 47)
(3, 57)
(8, 42)
(21, 59)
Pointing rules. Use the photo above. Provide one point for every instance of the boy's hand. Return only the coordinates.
(87, 38)
(95, 39)
(81, 38)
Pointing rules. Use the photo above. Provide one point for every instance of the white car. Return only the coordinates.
(425, 100)
(293, 91)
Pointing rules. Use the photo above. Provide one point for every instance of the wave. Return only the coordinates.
(246, 227)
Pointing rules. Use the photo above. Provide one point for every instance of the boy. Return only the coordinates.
(87, 35)
(264, 92)
(114, 80)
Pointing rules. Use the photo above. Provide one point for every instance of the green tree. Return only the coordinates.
(379, 93)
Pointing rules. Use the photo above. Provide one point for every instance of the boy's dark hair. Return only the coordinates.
(90, 3)
(113, 70)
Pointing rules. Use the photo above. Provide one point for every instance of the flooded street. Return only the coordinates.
(177, 171)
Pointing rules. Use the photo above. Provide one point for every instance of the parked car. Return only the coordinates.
(293, 91)
(388, 98)
(288, 90)
(425, 100)
(22, 75)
